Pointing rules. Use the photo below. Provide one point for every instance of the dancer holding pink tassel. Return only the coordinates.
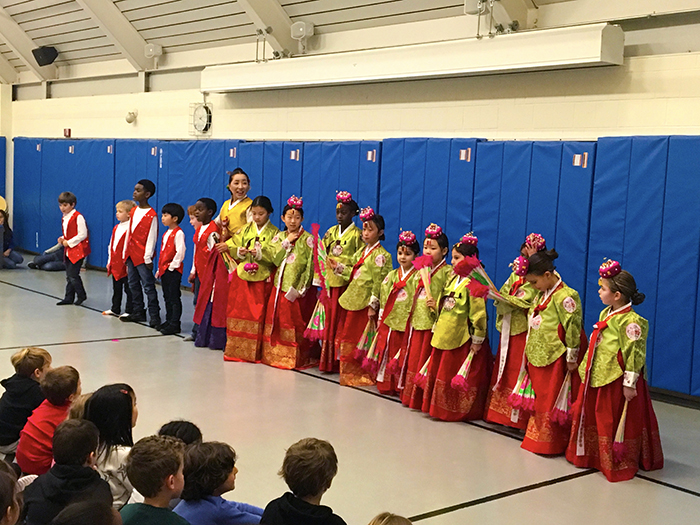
(552, 354)
(614, 425)
(416, 349)
(512, 323)
(458, 370)
(395, 305)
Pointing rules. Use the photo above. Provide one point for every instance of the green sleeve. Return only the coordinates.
(633, 343)
(570, 316)
(380, 272)
(478, 317)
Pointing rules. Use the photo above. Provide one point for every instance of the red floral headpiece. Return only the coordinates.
(407, 238)
(295, 202)
(520, 266)
(609, 269)
(536, 241)
(367, 214)
(469, 238)
(343, 197)
(433, 231)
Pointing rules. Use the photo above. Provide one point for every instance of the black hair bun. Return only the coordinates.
(551, 254)
(637, 297)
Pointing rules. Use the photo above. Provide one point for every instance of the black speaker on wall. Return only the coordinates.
(45, 55)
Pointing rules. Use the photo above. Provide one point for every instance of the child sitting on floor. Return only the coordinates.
(210, 471)
(308, 469)
(35, 450)
(154, 467)
(22, 395)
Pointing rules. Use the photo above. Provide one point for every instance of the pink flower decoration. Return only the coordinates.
(520, 266)
(469, 238)
(367, 214)
(251, 267)
(536, 241)
(343, 197)
(433, 231)
(295, 202)
(609, 269)
(407, 237)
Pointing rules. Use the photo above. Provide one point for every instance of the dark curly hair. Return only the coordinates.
(207, 466)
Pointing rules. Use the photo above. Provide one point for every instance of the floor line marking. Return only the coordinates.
(500, 495)
(669, 485)
(108, 339)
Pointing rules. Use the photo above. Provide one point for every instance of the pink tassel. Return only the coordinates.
(459, 383)
(393, 367)
(421, 378)
(370, 365)
(619, 451)
(476, 289)
(619, 448)
(424, 261)
(466, 266)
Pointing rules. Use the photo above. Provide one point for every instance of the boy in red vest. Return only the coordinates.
(139, 248)
(172, 255)
(76, 247)
(205, 237)
(116, 266)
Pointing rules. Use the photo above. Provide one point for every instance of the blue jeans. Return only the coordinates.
(137, 276)
(11, 261)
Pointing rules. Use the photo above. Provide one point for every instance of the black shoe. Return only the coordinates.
(33, 265)
(169, 329)
(131, 318)
(80, 300)
(155, 323)
(64, 302)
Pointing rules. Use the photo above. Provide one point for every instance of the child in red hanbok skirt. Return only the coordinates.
(614, 426)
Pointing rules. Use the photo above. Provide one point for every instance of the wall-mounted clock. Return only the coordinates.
(201, 118)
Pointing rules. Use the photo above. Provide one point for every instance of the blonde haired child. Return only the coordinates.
(116, 265)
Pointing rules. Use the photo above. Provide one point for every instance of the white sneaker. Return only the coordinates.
(123, 315)
(109, 312)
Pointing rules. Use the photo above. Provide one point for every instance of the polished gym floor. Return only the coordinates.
(390, 458)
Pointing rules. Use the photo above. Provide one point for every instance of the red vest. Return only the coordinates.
(117, 265)
(201, 253)
(167, 253)
(136, 245)
(80, 250)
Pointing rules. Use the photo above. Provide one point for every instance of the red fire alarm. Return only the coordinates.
(66, 132)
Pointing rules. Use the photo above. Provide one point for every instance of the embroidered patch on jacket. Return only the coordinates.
(276, 238)
(401, 296)
(633, 331)
(536, 321)
(520, 293)
(569, 305)
(310, 242)
(449, 303)
(386, 280)
(337, 250)
(422, 294)
(380, 260)
(291, 258)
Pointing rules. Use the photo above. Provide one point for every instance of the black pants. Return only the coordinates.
(170, 282)
(119, 287)
(194, 302)
(74, 284)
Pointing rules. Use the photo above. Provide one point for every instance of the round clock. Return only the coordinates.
(201, 118)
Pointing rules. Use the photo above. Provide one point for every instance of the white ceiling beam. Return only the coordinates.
(119, 30)
(8, 73)
(17, 40)
(270, 14)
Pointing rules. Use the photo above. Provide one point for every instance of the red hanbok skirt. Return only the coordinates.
(450, 404)
(284, 345)
(498, 409)
(245, 321)
(388, 344)
(329, 361)
(351, 326)
(602, 414)
(419, 349)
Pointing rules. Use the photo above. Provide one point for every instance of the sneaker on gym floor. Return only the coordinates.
(110, 312)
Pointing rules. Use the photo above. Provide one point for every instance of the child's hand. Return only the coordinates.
(476, 347)
(221, 247)
(431, 303)
(190, 279)
(60, 240)
(371, 313)
(64, 243)
(332, 263)
(571, 366)
(252, 251)
(629, 392)
(6, 253)
(293, 236)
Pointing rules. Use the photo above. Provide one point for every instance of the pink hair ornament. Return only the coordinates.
(536, 241)
(469, 238)
(609, 269)
(295, 202)
(520, 266)
(433, 231)
(367, 214)
(407, 237)
(343, 197)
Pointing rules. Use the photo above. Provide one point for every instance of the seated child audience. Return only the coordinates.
(88, 513)
(73, 477)
(9, 502)
(77, 407)
(387, 518)
(60, 386)
(50, 260)
(210, 471)
(22, 395)
(154, 467)
(10, 257)
(308, 469)
(185, 431)
(112, 408)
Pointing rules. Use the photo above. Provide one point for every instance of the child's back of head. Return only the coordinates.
(387, 518)
(309, 467)
(151, 462)
(74, 441)
(207, 467)
(77, 407)
(9, 504)
(87, 513)
(112, 409)
(59, 384)
(186, 431)
(28, 360)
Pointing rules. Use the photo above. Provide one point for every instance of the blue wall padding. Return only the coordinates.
(515, 183)
(390, 189)
(370, 161)
(608, 211)
(272, 179)
(573, 218)
(134, 160)
(331, 183)
(678, 264)
(231, 162)
(544, 190)
(292, 163)
(311, 183)
(56, 166)
(435, 186)
(460, 192)
(349, 176)
(412, 187)
(643, 225)
(251, 157)
(3, 156)
(485, 215)
(26, 209)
